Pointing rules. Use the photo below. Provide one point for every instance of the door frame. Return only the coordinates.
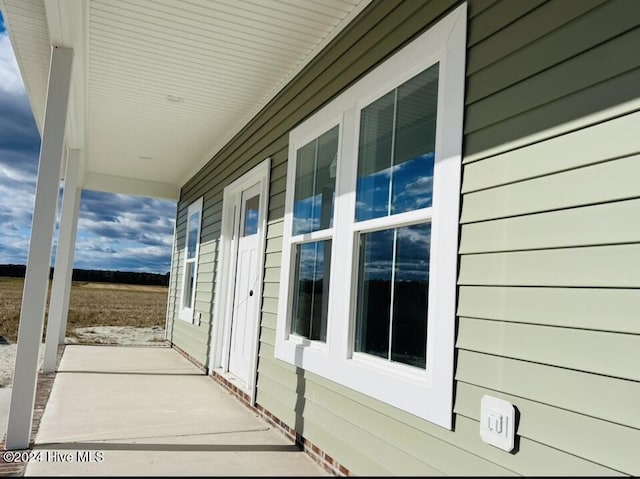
(226, 268)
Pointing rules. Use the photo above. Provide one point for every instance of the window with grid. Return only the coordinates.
(191, 249)
(369, 256)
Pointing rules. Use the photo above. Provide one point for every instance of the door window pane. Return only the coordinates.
(194, 225)
(393, 285)
(311, 290)
(251, 207)
(315, 186)
(396, 149)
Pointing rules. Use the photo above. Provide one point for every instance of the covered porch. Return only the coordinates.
(136, 97)
(149, 411)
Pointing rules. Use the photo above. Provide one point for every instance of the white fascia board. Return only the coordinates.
(265, 101)
(131, 186)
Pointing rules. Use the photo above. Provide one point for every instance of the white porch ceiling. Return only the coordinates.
(160, 86)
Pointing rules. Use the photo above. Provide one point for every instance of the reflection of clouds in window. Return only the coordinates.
(395, 175)
(251, 221)
(311, 290)
(417, 237)
(310, 256)
(411, 262)
(396, 148)
(413, 189)
(194, 223)
(315, 183)
(192, 240)
(377, 269)
(414, 271)
(373, 203)
(393, 285)
(410, 301)
(413, 184)
(251, 207)
(303, 213)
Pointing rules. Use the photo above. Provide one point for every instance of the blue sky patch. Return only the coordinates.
(115, 232)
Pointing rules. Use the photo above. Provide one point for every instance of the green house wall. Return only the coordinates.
(549, 267)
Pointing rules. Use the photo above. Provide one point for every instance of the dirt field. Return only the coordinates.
(92, 304)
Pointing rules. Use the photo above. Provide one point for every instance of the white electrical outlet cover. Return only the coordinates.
(497, 422)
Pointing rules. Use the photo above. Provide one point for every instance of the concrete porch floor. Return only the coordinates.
(150, 412)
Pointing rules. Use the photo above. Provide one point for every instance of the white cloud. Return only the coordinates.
(115, 231)
(417, 236)
(10, 78)
(13, 174)
(18, 211)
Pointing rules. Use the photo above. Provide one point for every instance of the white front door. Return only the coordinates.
(246, 288)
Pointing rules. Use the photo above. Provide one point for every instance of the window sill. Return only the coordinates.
(394, 384)
(186, 315)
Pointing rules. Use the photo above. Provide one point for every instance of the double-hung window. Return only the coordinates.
(368, 281)
(392, 224)
(311, 234)
(190, 270)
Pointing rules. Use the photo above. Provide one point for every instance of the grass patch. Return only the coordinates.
(91, 304)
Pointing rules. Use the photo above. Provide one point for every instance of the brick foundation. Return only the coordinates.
(314, 452)
(320, 457)
(191, 359)
(237, 392)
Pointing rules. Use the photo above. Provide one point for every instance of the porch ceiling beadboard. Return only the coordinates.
(27, 24)
(161, 85)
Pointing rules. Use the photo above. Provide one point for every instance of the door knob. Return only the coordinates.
(251, 292)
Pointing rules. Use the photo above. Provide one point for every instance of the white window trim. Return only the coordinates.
(315, 127)
(188, 314)
(424, 393)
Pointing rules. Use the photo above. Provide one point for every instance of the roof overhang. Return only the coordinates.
(159, 87)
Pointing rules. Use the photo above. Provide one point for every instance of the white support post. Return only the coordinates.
(67, 292)
(169, 318)
(61, 287)
(36, 281)
(64, 314)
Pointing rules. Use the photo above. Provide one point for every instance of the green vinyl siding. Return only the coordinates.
(192, 338)
(187, 337)
(549, 282)
(547, 425)
(550, 156)
(500, 15)
(268, 320)
(544, 20)
(603, 397)
(600, 352)
(571, 307)
(591, 105)
(573, 227)
(604, 182)
(545, 50)
(616, 266)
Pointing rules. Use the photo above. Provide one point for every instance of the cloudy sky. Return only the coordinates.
(115, 232)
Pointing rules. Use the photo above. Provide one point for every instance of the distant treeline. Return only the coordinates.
(94, 275)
